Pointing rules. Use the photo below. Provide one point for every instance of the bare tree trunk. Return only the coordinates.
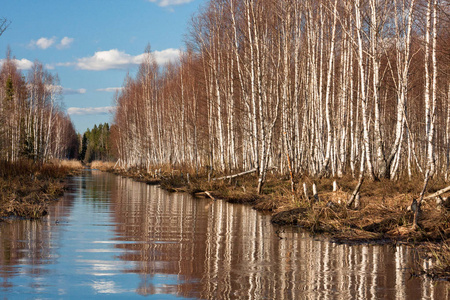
(328, 92)
(363, 96)
(381, 160)
(431, 139)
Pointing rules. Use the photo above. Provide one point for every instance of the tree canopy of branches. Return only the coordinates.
(328, 87)
(32, 124)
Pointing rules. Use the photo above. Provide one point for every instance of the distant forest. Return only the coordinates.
(95, 144)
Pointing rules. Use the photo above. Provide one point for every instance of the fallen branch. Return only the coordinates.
(438, 193)
(236, 175)
(209, 195)
(116, 163)
(205, 194)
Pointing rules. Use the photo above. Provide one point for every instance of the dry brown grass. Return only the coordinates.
(26, 187)
(102, 165)
(70, 164)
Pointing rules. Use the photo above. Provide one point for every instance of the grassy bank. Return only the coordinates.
(26, 188)
(382, 215)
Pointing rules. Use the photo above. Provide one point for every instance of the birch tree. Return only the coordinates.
(330, 87)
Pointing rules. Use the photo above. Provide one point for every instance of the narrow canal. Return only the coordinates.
(113, 237)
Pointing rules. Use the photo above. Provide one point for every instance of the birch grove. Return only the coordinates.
(319, 88)
(32, 124)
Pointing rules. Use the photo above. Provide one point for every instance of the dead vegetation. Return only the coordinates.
(102, 165)
(72, 164)
(440, 253)
(26, 187)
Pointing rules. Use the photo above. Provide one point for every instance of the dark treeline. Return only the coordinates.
(95, 144)
(32, 123)
(318, 87)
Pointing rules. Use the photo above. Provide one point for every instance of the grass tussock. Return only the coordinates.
(102, 165)
(72, 164)
(27, 187)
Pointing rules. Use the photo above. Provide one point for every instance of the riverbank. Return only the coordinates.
(27, 188)
(382, 214)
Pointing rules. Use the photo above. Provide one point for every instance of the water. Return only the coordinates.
(112, 237)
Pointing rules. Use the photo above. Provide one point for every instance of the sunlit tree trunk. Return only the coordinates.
(328, 92)
(430, 104)
(362, 92)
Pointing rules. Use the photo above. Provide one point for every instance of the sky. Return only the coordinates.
(93, 44)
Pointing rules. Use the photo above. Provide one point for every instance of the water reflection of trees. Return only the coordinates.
(213, 250)
(26, 245)
(168, 233)
(96, 188)
(222, 251)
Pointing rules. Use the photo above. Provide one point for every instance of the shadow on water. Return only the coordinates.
(112, 236)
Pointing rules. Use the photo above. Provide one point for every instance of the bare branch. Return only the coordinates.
(4, 24)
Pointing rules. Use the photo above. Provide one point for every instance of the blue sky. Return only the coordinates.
(93, 44)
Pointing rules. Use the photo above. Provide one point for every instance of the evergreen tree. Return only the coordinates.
(95, 144)
(9, 91)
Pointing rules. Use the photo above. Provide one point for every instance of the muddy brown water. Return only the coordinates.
(112, 237)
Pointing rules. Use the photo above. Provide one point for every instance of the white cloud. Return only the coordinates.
(115, 59)
(165, 56)
(91, 110)
(45, 43)
(105, 60)
(110, 89)
(22, 64)
(65, 42)
(69, 91)
(67, 64)
(53, 65)
(165, 3)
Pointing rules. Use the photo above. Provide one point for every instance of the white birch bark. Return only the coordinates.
(447, 135)
(363, 96)
(431, 113)
(381, 161)
(403, 61)
(328, 92)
